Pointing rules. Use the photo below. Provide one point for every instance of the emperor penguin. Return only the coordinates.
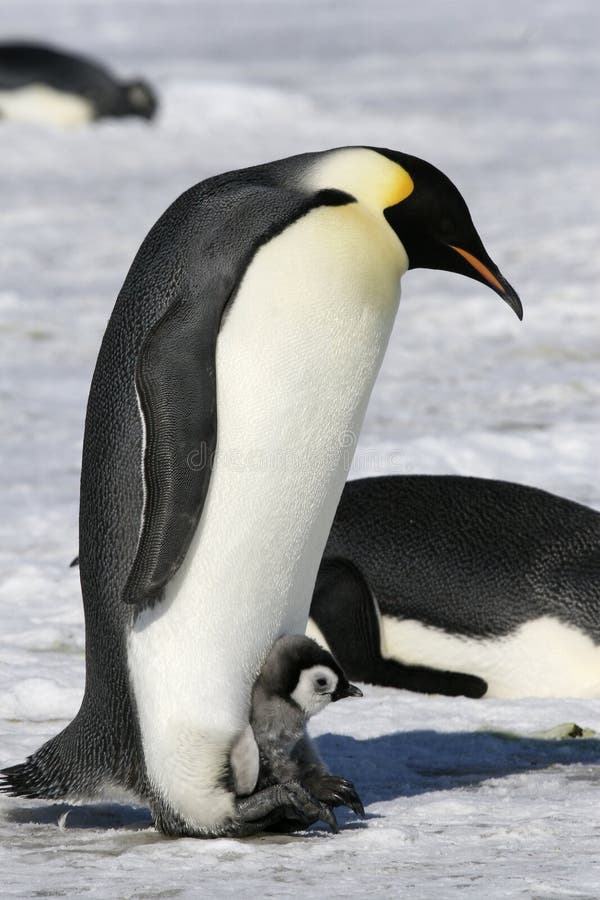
(448, 584)
(298, 679)
(43, 84)
(206, 495)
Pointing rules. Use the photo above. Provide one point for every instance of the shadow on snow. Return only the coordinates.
(403, 764)
(408, 763)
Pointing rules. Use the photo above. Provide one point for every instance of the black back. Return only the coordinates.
(470, 555)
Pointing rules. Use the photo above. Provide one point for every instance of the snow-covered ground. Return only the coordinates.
(504, 98)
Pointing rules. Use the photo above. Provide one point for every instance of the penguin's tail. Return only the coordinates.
(52, 772)
(25, 780)
(88, 760)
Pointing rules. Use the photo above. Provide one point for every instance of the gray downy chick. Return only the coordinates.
(298, 679)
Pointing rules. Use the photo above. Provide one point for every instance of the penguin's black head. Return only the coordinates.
(298, 669)
(138, 99)
(436, 230)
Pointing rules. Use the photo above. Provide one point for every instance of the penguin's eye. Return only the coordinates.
(137, 96)
(322, 684)
(446, 226)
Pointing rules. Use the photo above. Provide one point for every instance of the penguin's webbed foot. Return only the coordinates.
(335, 791)
(287, 807)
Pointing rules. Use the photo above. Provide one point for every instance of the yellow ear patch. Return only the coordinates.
(400, 187)
(373, 179)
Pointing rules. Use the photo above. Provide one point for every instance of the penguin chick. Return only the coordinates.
(298, 679)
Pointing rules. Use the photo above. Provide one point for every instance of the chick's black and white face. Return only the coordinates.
(315, 688)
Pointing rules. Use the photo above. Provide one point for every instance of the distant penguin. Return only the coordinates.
(298, 679)
(199, 546)
(43, 84)
(423, 574)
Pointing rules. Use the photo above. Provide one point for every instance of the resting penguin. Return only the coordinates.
(199, 542)
(44, 84)
(425, 573)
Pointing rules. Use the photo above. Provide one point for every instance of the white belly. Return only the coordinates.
(40, 103)
(296, 360)
(543, 658)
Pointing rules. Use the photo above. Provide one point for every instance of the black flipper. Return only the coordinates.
(178, 401)
(345, 611)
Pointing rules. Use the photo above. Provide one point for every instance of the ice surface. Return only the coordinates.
(504, 98)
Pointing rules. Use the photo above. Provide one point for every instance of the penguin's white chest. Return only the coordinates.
(296, 360)
(40, 103)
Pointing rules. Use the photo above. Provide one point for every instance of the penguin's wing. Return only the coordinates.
(176, 370)
(347, 614)
(176, 386)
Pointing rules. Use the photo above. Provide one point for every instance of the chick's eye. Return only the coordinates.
(321, 682)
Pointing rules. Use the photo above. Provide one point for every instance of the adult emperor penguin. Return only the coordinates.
(39, 83)
(207, 495)
(425, 577)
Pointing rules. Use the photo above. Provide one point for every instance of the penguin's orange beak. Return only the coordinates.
(496, 281)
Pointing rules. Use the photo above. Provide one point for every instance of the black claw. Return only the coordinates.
(326, 815)
(336, 791)
(352, 800)
(357, 808)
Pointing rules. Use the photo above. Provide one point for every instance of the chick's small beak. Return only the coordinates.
(496, 281)
(348, 690)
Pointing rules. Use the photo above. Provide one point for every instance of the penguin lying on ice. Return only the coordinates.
(426, 573)
(43, 84)
(192, 565)
(298, 680)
